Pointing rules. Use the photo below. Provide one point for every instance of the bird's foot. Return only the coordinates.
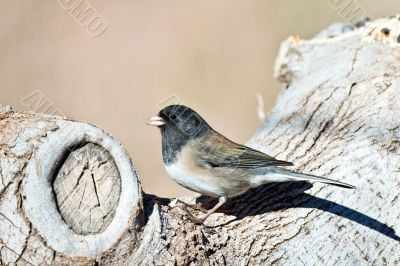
(184, 206)
(200, 219)
(197, 220)
(197, 206)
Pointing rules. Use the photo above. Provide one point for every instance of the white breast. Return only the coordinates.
(193, 180)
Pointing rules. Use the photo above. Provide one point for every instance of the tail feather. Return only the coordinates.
(308, 177)
(295, 176)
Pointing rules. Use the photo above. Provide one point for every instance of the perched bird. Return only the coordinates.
(202, 160)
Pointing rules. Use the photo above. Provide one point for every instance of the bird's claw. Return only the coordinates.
(197, 220)
(197, 206)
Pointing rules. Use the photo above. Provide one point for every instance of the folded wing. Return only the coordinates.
(217, 151)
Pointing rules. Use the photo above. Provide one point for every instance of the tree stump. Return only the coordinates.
(69, 193)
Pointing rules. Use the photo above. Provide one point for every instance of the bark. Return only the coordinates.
(69, 193)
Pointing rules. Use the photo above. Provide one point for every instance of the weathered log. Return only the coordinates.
(70, 195)
(68, 190)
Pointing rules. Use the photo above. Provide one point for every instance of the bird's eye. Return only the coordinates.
(173, 117)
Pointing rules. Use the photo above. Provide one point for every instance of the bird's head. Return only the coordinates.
(180, 119)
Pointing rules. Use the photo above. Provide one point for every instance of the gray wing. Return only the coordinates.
(218, 151)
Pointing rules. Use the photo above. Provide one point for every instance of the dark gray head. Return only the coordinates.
(178, 125)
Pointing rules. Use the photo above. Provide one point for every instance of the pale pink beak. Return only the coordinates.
(156, 121)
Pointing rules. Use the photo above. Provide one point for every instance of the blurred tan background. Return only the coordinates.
(214, 56)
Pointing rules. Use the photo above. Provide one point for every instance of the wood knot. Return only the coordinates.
(87, 187)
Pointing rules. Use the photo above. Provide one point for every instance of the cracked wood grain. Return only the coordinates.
(22, 240)
(87, 189)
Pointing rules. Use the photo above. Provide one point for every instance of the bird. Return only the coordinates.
(204, 161)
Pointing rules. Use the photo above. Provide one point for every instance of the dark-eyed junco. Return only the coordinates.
(202, 160)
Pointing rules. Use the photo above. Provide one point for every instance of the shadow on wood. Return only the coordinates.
(277, 200)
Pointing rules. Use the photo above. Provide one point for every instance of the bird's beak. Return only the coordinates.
(156, 121)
